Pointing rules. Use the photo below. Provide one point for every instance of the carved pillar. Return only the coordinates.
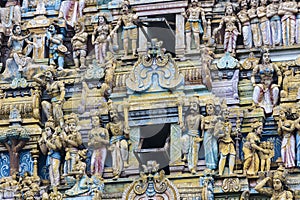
(180, 39)
(135, 139)
(175, 146)
(35, 156)
(142, 40)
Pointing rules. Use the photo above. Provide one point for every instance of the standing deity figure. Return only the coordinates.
(56, 91)
(52, 140)
(98, 141)
(265, 158)
(288, 9)
(56, 48)
(266, 93)
(278, 189)
(275, 22)
(286, 129)
(210, 142)
(130, 30)
(297, 126)
(72, 141)
(19, 53)
(256, 33)
(251, 148)
(190, 141)
(223, 130)
(118, 141)
(264, 23)
(100, 38)
(231, 30)
(298, 24)
(246, 28)
(194, 14)
(79, 42)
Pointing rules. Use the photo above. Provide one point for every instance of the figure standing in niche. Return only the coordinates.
(194, 14)
(288, 9)
(256, 33)
(98, 141)
(275, 22)
(79, 42)
(72, 141)
(56, 48)
(53, 143)
(286, 129)
(191, 140)
(223, 130)
(279, 189)
(246, 28)
(210, 142)
(18, 52)
(266, 93)
(118, 141)
(130, 30)
(100, 38)
(231, 30)
(264, 23)
(56, 90)
(251, 148)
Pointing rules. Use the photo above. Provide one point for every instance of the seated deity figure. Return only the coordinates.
(275, 22)
(254, 22)
(286, 127)
(100, 38)
(56, 90)
(19, 53)
(266, 93)
(98, 142)
(288, 9)
(79, 43)
(73, 142)
(245, 20)
(118, 141)
(191, 139)
(264, 24)
(210, 142)
(279, 189)
(130, 30)
(231, 30)
(223, 130)
(56, 48)
(193, 27)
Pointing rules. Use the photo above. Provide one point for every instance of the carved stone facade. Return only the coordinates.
(157, 99)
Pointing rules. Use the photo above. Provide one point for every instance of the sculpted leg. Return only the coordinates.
(222, 164)
(124, 152)
(197, 40)
(133, 44)
(231, 163)
(125, 44)
(188, 36)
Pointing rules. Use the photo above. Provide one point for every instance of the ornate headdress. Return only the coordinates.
(50, 123)
(72, 118)
(280, 174)
(256, 124)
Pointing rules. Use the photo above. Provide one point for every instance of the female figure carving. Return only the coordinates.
(288, 9)
(264, 23)
(286, 128)
(231, 30)
(266, 93)
(246, 28)
(256, 33)
(275, 23)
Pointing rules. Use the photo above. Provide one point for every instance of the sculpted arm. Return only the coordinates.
(260, 187)
(62, 91)
(291, 129)
(219, 27)
(279, 74)
(254, 72)
(37, 78)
